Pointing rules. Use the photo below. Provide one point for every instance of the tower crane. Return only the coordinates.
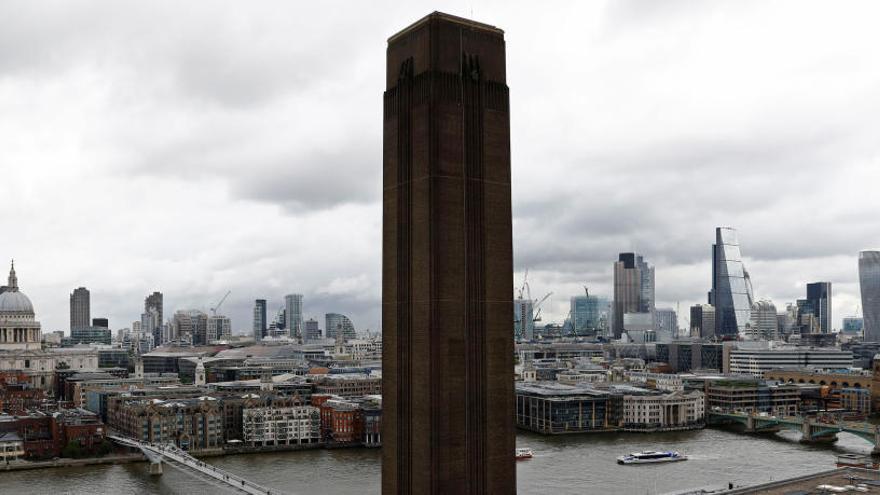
(217, 306)
(537, 306)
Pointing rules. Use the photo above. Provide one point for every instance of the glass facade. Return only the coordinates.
(590, 314)
(869, 281)
(731, 288)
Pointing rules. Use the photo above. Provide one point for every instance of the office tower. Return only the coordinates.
(819, 295)
(192, 323)
(337, 324)
(293, 306)
(447, 262)
(589, 314)
(312, 332)
(260, 327)
(731, 286)
(852, 325)
(101, 322)
(665, 324)
(764, 323)
(80, 312)
(869, 282)
(219, 327)
(703, 321)
(153, 303)
(633, 289)
(523, 319)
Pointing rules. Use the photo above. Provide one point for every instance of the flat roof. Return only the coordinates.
(446, 17)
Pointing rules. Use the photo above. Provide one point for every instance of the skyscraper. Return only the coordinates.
(589, 314)
(523, 319)
(260, 325)
(192, 323)
(819, 295)
(633, 289)
(448, 393)
(764, 323)
(153, 303)
(703, 321)
(666, 324)
(80, 308)
(869, 282)
(312, 332)
(293, 306)
(731, 287)
(337, 324)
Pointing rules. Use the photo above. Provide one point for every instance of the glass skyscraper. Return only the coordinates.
(731, 288)
(633, 289)
(869, 281)
(819, 295)
(589, 314)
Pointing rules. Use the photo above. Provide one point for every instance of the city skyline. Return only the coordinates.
(176, 212)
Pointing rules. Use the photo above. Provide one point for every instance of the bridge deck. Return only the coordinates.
(181, 457)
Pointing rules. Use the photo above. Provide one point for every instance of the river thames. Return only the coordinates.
(562, 464)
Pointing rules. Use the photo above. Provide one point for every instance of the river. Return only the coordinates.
(581, 464)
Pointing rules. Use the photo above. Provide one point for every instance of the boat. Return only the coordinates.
(524, 453)
(651, 457)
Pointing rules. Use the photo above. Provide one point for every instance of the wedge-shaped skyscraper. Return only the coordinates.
(731, 287)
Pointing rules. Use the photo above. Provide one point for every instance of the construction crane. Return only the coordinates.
(217, 306)
(537, 306)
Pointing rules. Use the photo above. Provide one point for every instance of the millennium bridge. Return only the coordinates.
(169, 453)
(813, 428)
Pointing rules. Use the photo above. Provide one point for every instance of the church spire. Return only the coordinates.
(13, 280)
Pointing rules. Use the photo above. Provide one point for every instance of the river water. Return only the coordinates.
(582, 464)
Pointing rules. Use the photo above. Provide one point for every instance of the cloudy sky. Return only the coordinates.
(200, 147)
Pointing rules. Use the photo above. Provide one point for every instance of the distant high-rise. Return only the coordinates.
(153, 303)
(312, 332)
(665, 324)
(633, 289)
(448, 392)
(80, 308)
(819, 295)
(731, 286)
(523, 319)
(193, 323)
(589, 314)
(852, 325)
(764, 323)
(293, 306)
(219, 327)
(703, 321)
(336, 324)
(869, 282)
(260, 325)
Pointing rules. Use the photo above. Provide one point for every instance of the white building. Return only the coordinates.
(764, 324)
(755, 361)
(660, 381)
(271, 425)
(676, 410)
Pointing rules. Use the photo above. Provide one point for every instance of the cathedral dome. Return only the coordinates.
(14, 301)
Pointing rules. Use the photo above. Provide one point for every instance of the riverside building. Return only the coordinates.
(756, 362)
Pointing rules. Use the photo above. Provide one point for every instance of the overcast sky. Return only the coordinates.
(200, 147)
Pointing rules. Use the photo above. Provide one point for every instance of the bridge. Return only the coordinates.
(156, 454)
(812, 428)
